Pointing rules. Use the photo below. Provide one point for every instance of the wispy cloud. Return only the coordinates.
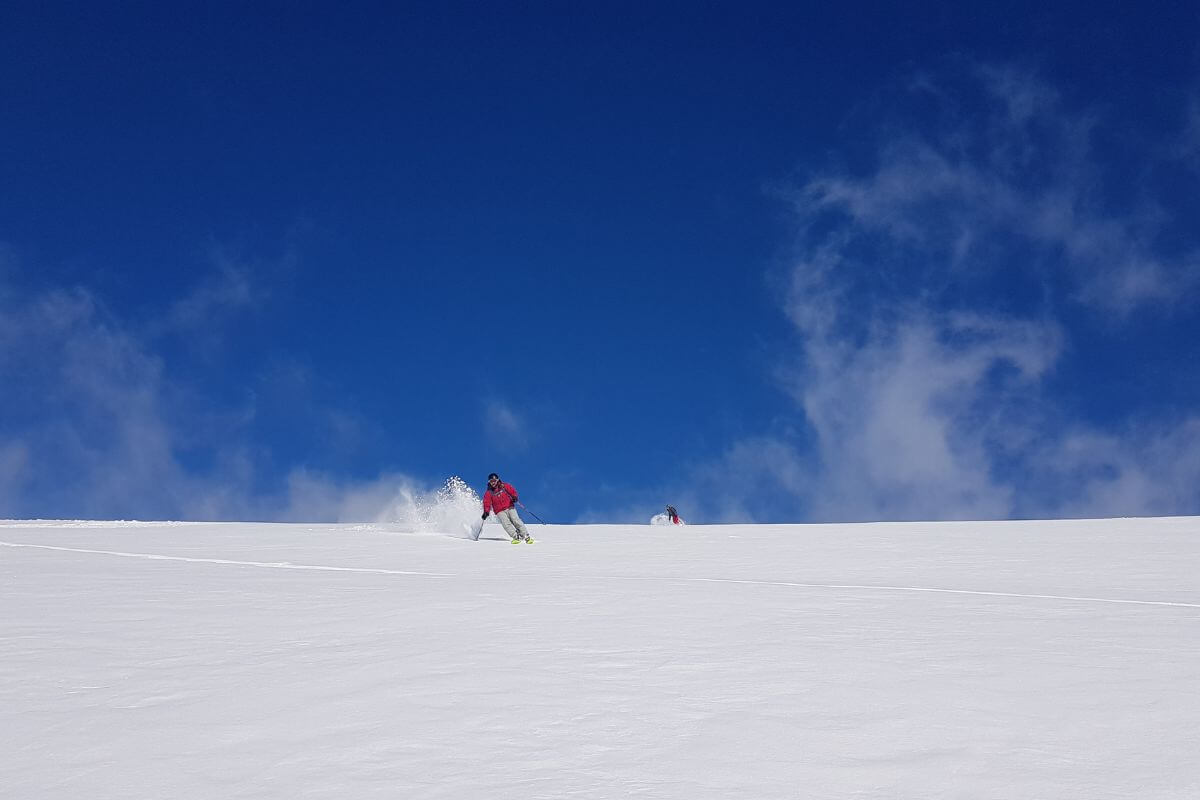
(763, 477)
(14, 466)
(1018, 172)
(92, 425)
(87, 411)
(1187, 147)
(503, 426)
(907, 419)
(937, 292)
(1144, 468)
(226, 291)
(932, 293)
(227, 288)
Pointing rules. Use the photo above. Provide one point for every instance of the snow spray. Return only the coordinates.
(443, 511)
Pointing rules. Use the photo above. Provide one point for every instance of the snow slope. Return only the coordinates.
(939, 660)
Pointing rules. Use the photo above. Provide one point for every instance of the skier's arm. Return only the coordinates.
(511, 492)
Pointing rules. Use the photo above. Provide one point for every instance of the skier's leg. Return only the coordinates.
(509, 528)
(520, 526)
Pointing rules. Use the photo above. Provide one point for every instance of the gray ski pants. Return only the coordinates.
(512, 523)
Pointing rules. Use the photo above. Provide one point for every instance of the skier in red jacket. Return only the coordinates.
(501, 498)
(673, 515)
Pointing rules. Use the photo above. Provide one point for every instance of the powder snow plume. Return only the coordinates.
(443, 511)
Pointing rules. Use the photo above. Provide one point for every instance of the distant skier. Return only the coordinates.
(501, 498)
(673, 515)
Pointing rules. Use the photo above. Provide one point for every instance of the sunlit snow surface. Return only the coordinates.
(951, 660)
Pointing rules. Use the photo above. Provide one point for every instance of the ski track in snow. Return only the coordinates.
(230, 562)
(664, 578)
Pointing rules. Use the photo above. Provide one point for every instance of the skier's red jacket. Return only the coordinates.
(499, 500)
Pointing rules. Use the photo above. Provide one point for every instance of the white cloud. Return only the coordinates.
(750, 476)
(503, 426)
(925, 397)
(1187, 148)
(904, 421)
(14, 467)
(925, 391)
(91, 426)
(226, 291)
(90, 398)
(1021, 171)
(1142, 470)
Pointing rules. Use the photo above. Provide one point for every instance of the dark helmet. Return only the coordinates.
(493, 475)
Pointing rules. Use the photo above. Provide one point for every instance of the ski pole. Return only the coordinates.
(535, 516)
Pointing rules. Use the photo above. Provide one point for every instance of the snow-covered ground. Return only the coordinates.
(947, 660)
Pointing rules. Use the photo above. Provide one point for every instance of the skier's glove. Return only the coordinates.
(484, 515)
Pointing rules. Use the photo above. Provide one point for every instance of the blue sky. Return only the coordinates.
(769, 262)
